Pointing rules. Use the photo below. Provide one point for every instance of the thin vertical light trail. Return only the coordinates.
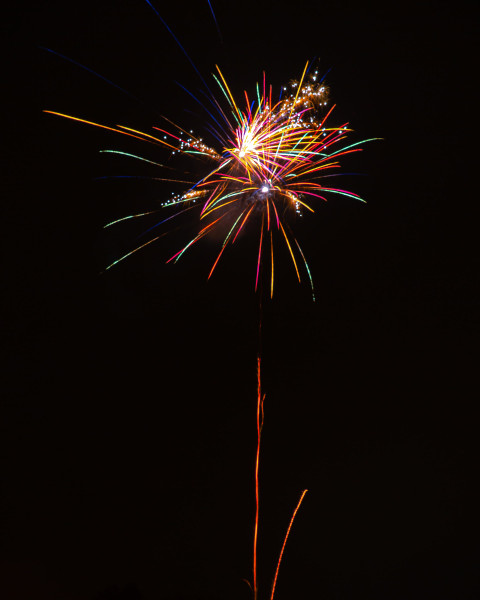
(271, 279)
(259, 256)
(260, 400)
(285, 541)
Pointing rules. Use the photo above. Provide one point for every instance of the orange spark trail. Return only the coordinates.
(260, 400)
(285, 541)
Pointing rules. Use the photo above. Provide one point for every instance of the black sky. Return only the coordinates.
(128, 427)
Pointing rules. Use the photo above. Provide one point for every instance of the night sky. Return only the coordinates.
(127, 437)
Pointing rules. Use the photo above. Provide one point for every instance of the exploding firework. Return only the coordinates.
(268, 166)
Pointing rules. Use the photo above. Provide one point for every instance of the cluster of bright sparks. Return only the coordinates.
(273, 157)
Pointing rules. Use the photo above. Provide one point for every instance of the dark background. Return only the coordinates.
(128, 427)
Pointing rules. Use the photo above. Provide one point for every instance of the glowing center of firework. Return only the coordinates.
(246, 150)
(264, 189)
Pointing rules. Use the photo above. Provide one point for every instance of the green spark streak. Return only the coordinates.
(197, 152)
(135, 156)
(132, 252)
(198, 237)
(227, 97)
(351, 146)
(324, 189)
(151, 212)
(222, 198)
(258, 96)
(307, 267)
(229, 234)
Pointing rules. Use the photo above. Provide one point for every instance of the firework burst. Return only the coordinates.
(269, 166)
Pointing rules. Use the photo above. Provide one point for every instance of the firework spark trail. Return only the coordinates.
(215, 19)
(74, 62)
(260, 422)
(285, 542)
(177, 41)
(260, 400)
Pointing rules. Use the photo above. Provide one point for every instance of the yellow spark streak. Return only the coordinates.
(302, 203)
(181, 129)
(219, 206)
(133, 251)
(51, 112)
(152, 137)
(230, 94)
(291, 251)
(317, 168)
(298, 90)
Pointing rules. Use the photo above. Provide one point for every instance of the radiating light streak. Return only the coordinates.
(133, 251)
(135, 156)
(74, 62)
